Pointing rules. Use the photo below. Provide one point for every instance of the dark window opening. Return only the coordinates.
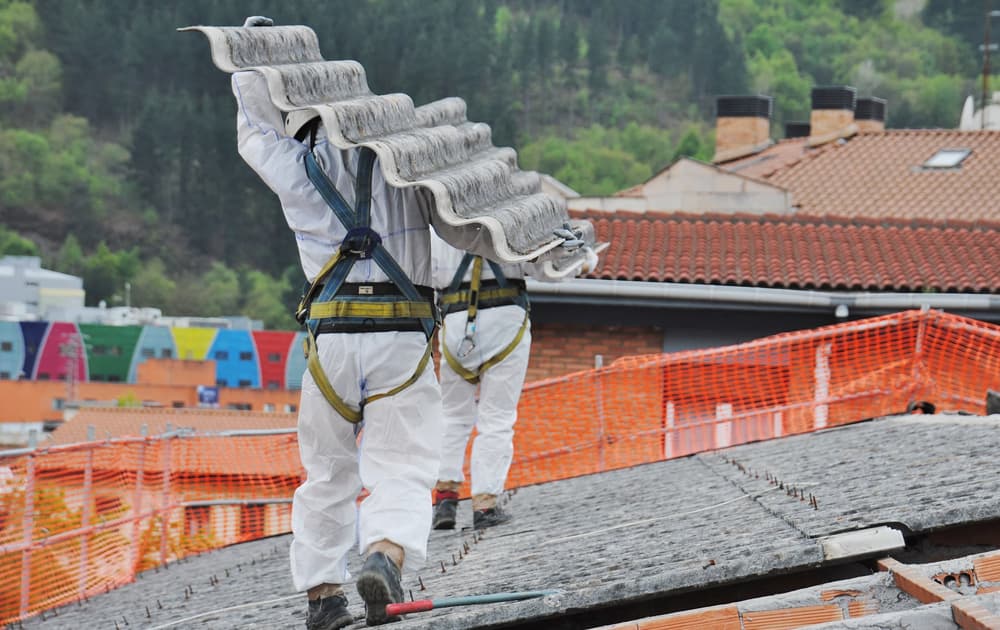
(252, 519)
(197, 520)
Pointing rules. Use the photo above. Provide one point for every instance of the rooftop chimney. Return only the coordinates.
(869, 114)
(832, 114)
(796, 130)
(742, 126)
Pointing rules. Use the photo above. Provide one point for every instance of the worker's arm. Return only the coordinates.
(260, 133)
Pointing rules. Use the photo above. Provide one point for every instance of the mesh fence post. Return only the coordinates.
(670, 437)
(137, 501)
(28, 524)
(88, 488)
(165, 508)
(600, 419)
(723, 425)
(821, 407)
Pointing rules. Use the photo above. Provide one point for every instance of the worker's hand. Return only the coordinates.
(590, 261)
(258, 20)
(571, 238)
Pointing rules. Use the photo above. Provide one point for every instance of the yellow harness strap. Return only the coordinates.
(371, 310)
(348, 308)
(350, 414)
(474, 376)
(462, 297)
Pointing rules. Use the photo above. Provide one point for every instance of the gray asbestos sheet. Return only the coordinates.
(924, 472)
(483, 201)
(625, 535)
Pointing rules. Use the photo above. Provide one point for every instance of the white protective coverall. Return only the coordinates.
(397, 458)
(499, 387)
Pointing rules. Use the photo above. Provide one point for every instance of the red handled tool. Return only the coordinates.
(421, 605)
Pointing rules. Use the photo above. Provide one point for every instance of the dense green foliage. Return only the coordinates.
(117, 148)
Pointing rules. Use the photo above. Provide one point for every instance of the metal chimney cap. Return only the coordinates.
(870, 108)
(756, 106)
(834, 97)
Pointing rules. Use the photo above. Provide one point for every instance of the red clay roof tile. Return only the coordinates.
(881, 174)
(799, 251)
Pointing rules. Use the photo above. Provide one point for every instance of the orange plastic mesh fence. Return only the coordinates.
(78, 520)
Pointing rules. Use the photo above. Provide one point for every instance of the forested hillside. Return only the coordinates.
(117, 146)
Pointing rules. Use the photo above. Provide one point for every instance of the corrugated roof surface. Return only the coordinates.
(492, 206)
(881, 174)
(799, 251)
(628, 535)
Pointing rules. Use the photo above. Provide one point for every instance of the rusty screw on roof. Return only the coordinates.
(421, 580)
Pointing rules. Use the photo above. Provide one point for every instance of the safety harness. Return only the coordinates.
(473, 297)
(325, 307)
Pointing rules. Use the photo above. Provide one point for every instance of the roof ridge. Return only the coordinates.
(796, 218)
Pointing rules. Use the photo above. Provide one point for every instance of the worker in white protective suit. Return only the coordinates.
(357, 365)
(485, 344)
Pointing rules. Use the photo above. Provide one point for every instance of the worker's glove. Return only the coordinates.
(572, 239)
(258, 20)
(590, 260)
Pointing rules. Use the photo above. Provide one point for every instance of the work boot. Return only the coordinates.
(379, 585)
(489, 517)
(445, 507)
(328, 613)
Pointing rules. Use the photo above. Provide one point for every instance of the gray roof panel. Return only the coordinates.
(485, 203)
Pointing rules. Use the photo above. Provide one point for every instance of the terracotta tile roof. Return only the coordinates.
(777, 156)
(881, 174)
(116, 422)
(799, 252)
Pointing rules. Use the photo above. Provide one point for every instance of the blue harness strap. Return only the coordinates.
(361, 241)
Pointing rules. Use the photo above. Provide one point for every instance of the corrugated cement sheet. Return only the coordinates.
(485, 202)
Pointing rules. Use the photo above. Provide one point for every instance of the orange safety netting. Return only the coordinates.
(78, 520)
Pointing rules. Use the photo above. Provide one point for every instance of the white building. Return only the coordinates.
(28, 292)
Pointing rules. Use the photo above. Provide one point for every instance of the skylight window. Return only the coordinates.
(947, 158)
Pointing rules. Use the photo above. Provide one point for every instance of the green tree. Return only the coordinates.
(13, 244)
(70, 257)
(40, 74)
(263, 300)
(105, 273)
(152, 286)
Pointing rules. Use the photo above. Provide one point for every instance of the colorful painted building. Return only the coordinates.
(60, 351)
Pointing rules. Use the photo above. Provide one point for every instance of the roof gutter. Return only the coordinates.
(672, 294)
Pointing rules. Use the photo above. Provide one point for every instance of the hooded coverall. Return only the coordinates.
(397, 458)
(495, 413)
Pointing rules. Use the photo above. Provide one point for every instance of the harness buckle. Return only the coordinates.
(361, 242)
